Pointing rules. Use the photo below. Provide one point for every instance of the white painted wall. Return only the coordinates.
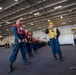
(2, 42)
(66, 34)
(9, 38)
(65, 38)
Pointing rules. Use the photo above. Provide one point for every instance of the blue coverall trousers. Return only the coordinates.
(55, 46)
(19, 46)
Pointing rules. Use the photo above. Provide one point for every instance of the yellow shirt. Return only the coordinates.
(52, 33)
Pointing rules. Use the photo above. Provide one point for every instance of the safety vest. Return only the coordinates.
(52, 33)
(33, 40)
(19, 29)
(28, 36)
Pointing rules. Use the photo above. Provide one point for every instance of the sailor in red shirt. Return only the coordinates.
(29, 42)
(20, 43)
(34, 42)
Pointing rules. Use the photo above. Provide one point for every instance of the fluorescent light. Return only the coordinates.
(58, 7)
(63, 23)
(21, 18)
(24, 26)
(1, 8)
(32, 24)
(36, 14)
(0, 25)
(70, 21)
(48, 20)
(13, 12)
(22, 8)
(70, 10)
(30, 13)
(7, 29)
(1, 36)
(61, 17)
(7, 22)
(16, 0)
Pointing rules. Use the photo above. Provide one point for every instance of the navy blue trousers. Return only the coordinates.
(55, 46)
(17, 47)
(29, 48)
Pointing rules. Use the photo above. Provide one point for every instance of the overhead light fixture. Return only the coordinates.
(7, 29)
(30, 13)
(1, 36)
(22, 8)
(16, 0)
(63, 23)
(0, 25)
(24, 26)
(32, 24)
(58, 7)
(70, 10)
(13, 12)
(61, 17)
(7, 22)
(36, 14)
(21, 18)
(70, 21)
(44, 0)
(48, 20)
(1, 8)
(17, 10)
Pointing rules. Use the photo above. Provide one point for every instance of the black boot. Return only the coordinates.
(61, 58)
(10, 67)
(55, 57)
(26, 63)
(31, 55)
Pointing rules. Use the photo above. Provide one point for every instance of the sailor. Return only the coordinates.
(54, 43)
(20, 44)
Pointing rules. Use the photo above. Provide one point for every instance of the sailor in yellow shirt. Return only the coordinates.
(53, 35)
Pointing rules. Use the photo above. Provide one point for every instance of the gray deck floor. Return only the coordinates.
(41, 64)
